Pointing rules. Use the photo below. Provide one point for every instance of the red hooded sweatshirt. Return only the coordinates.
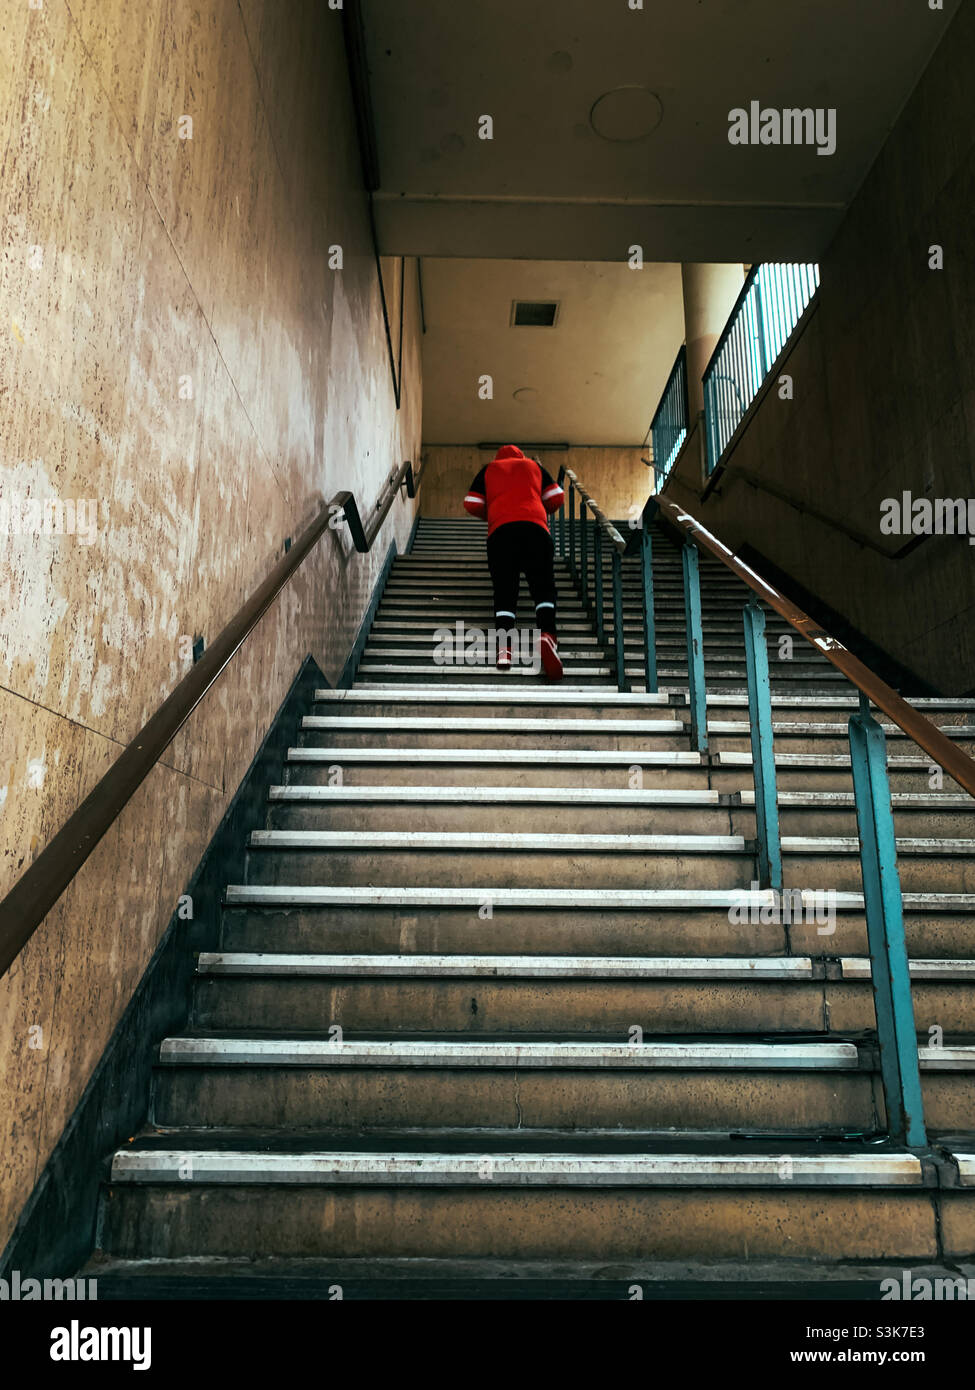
(513, 488)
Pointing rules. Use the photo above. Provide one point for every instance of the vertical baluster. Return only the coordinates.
(583, 552)
(597, 561)
(763, 362)
(890, 971)
(697, 693)
(763, 753)
(778, 326)
(572, 531)
(721, 395)
(794, 310)
(649, 619)
(741, 374)
(618, 642)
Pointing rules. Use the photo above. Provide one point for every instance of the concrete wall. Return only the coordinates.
(616, 478)
(884, 380)
(134, 263)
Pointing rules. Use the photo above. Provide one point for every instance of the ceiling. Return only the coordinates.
(597, 375)
(548, 186)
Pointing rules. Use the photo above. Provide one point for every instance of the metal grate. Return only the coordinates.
(534, 313)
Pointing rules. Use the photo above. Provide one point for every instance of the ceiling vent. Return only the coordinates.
(526, 313)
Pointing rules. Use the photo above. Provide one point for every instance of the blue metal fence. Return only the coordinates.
(772, 301)
(668, 428)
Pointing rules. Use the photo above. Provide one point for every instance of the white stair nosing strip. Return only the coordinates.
(928, 801)
(603, 796)
(476, 841)
(778, 1171)
(736, 759)
(475, 671)
(409, 724)
(946, 1058)
(556, 695)
(625, 843)
(966, 1167)
(571, 647)
(858, 968)
(557, 796)
(826, 1056)
(504, 693)
(848, 844)
(674, 757)
(590, 899)
(456, 695)
(243, 964)
(741, 728)
(602, 899)
(574, 668)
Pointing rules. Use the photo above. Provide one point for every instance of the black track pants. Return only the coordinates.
(522, 548)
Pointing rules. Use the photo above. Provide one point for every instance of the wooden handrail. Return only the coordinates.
(39, 887)
(958, 765)
(614, 537)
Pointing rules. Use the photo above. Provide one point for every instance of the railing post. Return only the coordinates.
(763, 361)
(597, 561)
(889, 967)
(583, 553)
(697, 693)
(649, 620)
(572, 530)
(763, 753)
(618, 641)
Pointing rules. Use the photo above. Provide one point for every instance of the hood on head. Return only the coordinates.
(508, 451)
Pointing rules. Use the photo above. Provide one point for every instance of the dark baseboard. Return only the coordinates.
(56, 1231)
(362, 636)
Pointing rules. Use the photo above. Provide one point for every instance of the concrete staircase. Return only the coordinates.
(498, 996)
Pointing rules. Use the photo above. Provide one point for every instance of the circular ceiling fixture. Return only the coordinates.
(626, 113)
(525, 393)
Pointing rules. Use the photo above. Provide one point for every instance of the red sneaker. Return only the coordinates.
(551, 661)
(504, 659)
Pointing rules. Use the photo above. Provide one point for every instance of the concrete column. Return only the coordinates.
(709, 293)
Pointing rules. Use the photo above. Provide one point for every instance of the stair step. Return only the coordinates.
(411, 1046)
(387, 724)
(579, 669)
(311, 965)
(559, 696)
(551, 843)
(603, 796)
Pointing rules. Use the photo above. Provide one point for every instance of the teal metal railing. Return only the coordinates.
(882, 898)
(571, 535)
(773, 299)
(668, 428)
